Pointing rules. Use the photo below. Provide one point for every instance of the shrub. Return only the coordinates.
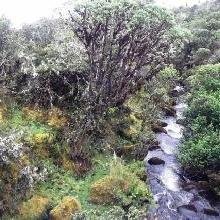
(202, 152)
(18, 175)
(202, 140)
(205, 105)
(205, 77)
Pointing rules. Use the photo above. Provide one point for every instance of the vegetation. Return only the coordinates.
(82, 96)
(202, 45)
(203, 117)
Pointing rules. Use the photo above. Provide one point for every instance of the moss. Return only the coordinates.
(34, 114)
(134, 126)
(67, 207)
(42, 138)
(135, 103)
(3, 112)
(107, 189)
(61, 183)
(56, 118)
(119, 187)
(53, 117)
(67, 163)
(34, 208)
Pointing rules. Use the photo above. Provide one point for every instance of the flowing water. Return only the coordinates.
(176, 197)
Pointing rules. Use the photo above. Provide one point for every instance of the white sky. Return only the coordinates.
(27, 11)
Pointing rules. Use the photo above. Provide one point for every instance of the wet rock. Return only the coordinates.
(177, 91)
(214, 179)
(180, 121)
(169, 111)
(210, 195)
(189, 187)
(174, 93)
(156, 161)
(187, 210)
(203, 185)
(210, 212)
(158, 129)
(194, 175)
(161, 123)
(154, 147)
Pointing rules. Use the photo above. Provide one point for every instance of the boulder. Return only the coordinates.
(210, 212)
(154, 147)
(156, 161)
(158, 129)
(169, 111)
(214, 179)
(187, 210)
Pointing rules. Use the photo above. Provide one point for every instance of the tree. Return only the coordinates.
(121, 38)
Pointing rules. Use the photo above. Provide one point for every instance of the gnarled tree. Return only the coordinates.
(126, 43)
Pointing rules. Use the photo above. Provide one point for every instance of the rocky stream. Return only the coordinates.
(176, 196)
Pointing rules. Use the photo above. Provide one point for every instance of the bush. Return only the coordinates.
(202, 140)
(202, 152)
(205, 105)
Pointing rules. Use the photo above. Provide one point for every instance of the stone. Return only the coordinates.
(188, 211)
(154, 147)
(169, 111)
(158, 129)
(156, 161)
(210, 212)
(214, 179)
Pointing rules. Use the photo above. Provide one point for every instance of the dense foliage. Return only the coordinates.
(80, 91)
(203, 44)
(202, 144)
(74, 90)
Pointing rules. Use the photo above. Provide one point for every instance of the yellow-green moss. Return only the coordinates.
(3, 111)
(67, 163)
(120, 185)
(67, 207)
(34, 208)
(42, 138)
(135, 126)
(53, 117)
(34, 114)
(56, 118)
(106, 190)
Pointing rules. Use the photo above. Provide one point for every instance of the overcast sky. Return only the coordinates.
(27, 11)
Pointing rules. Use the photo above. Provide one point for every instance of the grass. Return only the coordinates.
(62, 183)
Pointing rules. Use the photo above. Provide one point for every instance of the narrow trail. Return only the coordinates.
(176, 197)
